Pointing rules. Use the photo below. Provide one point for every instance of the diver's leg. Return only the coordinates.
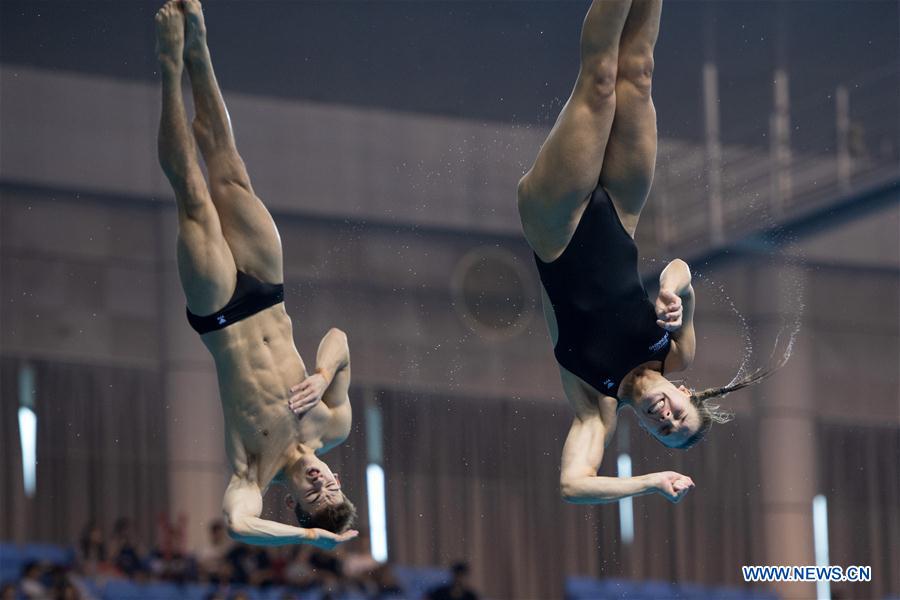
(246, 223)
(631, 152)
(204, 260)
(567, 169)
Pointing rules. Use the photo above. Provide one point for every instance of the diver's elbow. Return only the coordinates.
(237, 528)
(568, 491)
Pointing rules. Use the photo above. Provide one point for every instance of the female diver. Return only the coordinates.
(579, 205)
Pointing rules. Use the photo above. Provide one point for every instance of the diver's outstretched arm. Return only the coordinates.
(582, 454)
(243, 505)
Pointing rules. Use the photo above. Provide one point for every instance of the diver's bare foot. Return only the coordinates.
(170, 36)
(195, 31)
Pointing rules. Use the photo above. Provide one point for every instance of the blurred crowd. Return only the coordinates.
(219, 561)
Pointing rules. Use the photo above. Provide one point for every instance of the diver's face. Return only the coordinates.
(667, 413)
(314, 485)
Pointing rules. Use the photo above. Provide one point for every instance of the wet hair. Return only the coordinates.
(711, 412)
(336, 518)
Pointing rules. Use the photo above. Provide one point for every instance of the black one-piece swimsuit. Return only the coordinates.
(607, 324)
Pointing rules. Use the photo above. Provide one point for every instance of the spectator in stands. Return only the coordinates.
(357, 563)
(361, 571)
(169, 560)
(327, 571)
(279, 559)
(212, 563)
(8, 592)
(125, 551)
(62, 587)
(249, 565)
(31, 585)
(92, 556)
(68, 583)
(386, 584)
(264, 573)
(298, 572)
(458, 588)
(171, 565)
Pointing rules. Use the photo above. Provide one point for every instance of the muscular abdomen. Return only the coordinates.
(257, 363)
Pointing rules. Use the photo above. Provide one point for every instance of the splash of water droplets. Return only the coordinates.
(744, 367)
(792, 303)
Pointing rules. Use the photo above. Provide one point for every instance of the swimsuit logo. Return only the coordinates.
(608, 383)
(655, 347)
(221, 319)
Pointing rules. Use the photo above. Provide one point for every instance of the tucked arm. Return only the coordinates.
(332, 358)
(676, 290)
(331, 380)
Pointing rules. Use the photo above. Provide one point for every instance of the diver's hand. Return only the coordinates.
(307, 393)
(327, 540)
(668, 310)
(672, 486)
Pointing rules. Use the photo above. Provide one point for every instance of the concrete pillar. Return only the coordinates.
(712, 124)
(196, 445)
(842, 120)
(713, 151)
(787, 435)
(780, 126)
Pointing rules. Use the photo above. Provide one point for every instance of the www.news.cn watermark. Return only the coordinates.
(808, 573)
